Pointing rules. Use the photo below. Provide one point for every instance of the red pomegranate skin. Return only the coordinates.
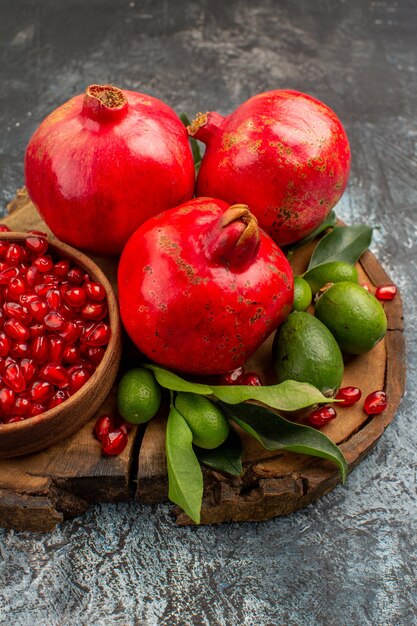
(201, 287)
(103, 163)
(283, 153)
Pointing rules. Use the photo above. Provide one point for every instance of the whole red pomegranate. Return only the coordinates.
(201, 286)
(283, 153)
(103, 163)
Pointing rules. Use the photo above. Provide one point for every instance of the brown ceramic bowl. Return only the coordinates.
(46, 429)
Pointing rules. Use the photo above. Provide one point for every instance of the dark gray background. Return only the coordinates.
(349, 559)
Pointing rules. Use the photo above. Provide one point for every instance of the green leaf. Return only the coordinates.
(173, 382)
(344, 243)
(276, 433)
(287, 396)
(185, 478)
(226, 458)
(195, 148)
(329, 222)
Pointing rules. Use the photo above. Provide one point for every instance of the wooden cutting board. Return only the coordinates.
(40, 490)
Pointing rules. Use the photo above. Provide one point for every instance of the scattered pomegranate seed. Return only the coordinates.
(104, 425)
(115, 442)
(251, 379)
(321, 416)
(375, 402)
(349, 395)
(386, 292)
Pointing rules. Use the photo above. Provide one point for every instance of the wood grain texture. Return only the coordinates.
(37, 492)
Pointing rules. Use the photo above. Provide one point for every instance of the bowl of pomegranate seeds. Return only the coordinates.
(59, 341)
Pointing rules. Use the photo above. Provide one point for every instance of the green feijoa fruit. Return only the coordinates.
(334, 272)
(138, 396)
(302, 294)
(206, 421)
(306, 351)
(353, 315)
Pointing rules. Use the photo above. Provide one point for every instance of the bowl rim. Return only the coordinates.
(114, 322)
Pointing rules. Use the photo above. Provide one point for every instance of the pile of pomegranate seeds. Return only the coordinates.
(112, 432)
(53, 328)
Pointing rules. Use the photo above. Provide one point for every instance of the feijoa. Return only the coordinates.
(302, 294)
(334, 272)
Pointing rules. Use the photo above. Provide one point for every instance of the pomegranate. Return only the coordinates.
(202, 286)
(103, 163)
(283, 153)
(49, 345)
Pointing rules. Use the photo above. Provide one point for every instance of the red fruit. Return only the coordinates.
(40, 391)
(144, 166)
(37, 245)
(5, 344)
(61, 268)
(283, 153)
(22, 406)
(76, 276)
(19, 350)
(115, 442)
(386, 292)
(43, 263)
(75, 297)
(201, 287)
(71, 355)
(16, 330)
(375, 403)
(13, 377)
(58, 398)
(16, 288)
(18, 311)
(55, 374)
(36, 409)
(96, 334)
(7, 274)
(250, 379)
(39, 309)
(70, 332)
(104, 425)
(95, 354)
(56, 349)
(36, 330)
(33, 276)
(349, 395)
(7, 400)
(94, 311)
(14, 254)
(321, 416)
(53, 298)
(55, 321)
(39, 349)
(4, 228)
(78, 376)
(95, 291)
(28, 368)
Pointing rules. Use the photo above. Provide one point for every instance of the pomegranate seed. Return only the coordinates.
(13, 377)
(61, 268)
(36, 409)
(19, 350)
(349, 395)
(14, 254)
(33, 276)
(54, 321)
(53, 298)
(43, 263)
(115, 442)
(56, 348)
(75, 297)
(39, 309)
(27, 298)
(40, 390)
(36, 330)
(39, 349)
(5, 344)
(94, 311)
(250, 379)
(58, 398)
(55, 374)
(16, 310)
(12, 420)
(22, 406)
(386, 293)
(4, 246)
(28, 368)
(76, 276)
(7, 400)
(71, 355)
(95, 355)
(231, 378)
(95, 291)
(37, 245)
(16, 330)
(104, 425)
(97, 335)
(4, 228)
(375, 403)
(70, 333)
(4, 265)
(78, 377)
(41, 289)
(321, 416)
(7, 274)
(17, 287)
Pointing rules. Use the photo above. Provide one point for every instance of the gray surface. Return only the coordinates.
(349, 559)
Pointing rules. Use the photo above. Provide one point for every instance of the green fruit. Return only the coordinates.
(206, 421)
(138, 396)
(302, 294)
(306, 351)
(334, 272)
(353, 315)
